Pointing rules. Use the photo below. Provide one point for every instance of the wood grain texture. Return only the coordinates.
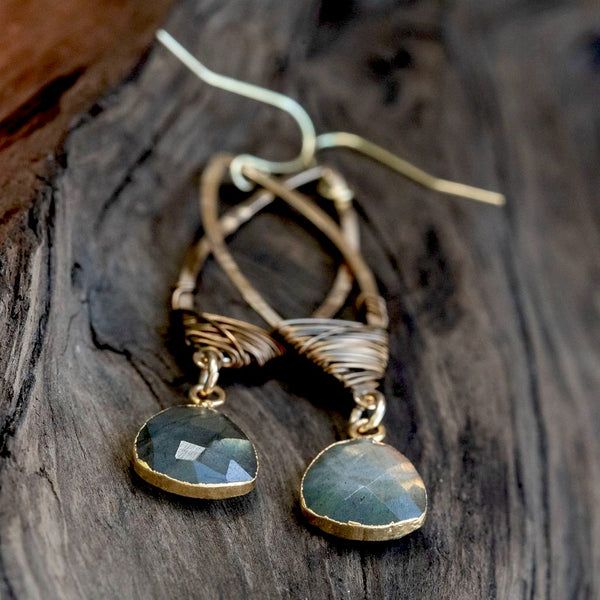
(494, 376)
(55, 59)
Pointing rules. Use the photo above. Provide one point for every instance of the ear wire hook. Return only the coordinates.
(311, 143)
(260, 94)
(342, 139)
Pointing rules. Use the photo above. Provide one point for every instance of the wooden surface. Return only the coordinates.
(495, 369)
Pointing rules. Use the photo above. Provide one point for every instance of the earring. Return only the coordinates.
(193, 449)
(360, 488)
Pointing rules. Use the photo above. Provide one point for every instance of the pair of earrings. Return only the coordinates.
(359, 488)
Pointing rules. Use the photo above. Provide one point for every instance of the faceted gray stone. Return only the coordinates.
(196, 445)
(364, 483)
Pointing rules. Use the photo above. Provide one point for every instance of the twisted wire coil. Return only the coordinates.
(354, 353)
(240, 343)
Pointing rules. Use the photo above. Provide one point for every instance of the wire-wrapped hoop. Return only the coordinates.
(353, 352)
(240, 343)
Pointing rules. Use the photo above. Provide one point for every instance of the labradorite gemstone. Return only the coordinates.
(364, 482)
(196, 445)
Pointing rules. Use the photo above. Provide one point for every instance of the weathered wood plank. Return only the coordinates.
(55, 59)
(495, 330)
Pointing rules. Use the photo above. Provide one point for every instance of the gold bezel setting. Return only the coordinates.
(352, 530)
(202, 491)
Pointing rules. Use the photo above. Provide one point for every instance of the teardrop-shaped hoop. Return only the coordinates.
(354, 353)
(211, 181)
(237, 342)
(229, 223)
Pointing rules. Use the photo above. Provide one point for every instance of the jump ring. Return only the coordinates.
(368, 400)
(361, 429)
(375, 411)
(212, 399)
(208, 361)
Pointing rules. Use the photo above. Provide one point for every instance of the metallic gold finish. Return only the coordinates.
(352, 530)
(355, 353)
(215, 491)
(362, 428)
(260, 94)
(212, 398)
(365, 418)
(342, 139)
(240, 343)
(225, 342)
(376, 313)
(183, 295)
(311, 143)
(209, 360)
(209, 198)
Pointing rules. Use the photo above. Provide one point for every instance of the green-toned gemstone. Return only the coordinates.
(194, 445)
(362, 489)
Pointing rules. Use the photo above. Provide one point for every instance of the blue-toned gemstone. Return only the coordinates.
(196, 445)
(356, 486)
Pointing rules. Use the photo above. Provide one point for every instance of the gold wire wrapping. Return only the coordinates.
(240, 343)
(354, 353)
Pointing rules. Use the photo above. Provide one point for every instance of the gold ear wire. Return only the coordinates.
(260, 94)
(342, 139)
(311, 143)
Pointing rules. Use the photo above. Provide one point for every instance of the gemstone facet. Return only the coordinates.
(363, 490)
(195, 451)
